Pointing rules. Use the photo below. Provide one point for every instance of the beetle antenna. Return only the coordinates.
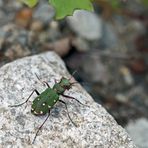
(72, 74)
(74, 83)
(43, 82)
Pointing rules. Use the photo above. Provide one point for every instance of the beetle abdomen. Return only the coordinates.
(44, 102)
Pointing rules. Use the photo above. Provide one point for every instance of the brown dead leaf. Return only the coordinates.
(23, 17)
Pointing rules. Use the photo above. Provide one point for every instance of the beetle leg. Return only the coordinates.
(26, 100)
(68, 113)
(41, 127)
(73, 98)
(46, 84)
(55, 81)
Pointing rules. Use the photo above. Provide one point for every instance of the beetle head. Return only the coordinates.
(65, 83)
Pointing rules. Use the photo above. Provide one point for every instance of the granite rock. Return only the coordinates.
(95, 126)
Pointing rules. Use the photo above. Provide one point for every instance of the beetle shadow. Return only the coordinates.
(57, 110)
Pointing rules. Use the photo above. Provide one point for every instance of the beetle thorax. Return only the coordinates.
(58, 88)
(63, 85)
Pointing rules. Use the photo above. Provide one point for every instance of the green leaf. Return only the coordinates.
(145, 2)
(67, 7)
(115, 3)
(30, 3)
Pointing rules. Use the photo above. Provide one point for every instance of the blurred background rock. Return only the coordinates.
(108, 48)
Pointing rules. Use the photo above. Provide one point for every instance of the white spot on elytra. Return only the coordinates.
(32, 109)
(54, 100)
(49, 106)
(35, 112)
(41, 112)
(43, 104)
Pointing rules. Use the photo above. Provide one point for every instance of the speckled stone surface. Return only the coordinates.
(95, 127)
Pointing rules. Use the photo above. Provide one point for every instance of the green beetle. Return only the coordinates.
(46, 100)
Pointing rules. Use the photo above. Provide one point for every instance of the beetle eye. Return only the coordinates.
(66, 86)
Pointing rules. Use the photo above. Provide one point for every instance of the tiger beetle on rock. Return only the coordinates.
(46, 100)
